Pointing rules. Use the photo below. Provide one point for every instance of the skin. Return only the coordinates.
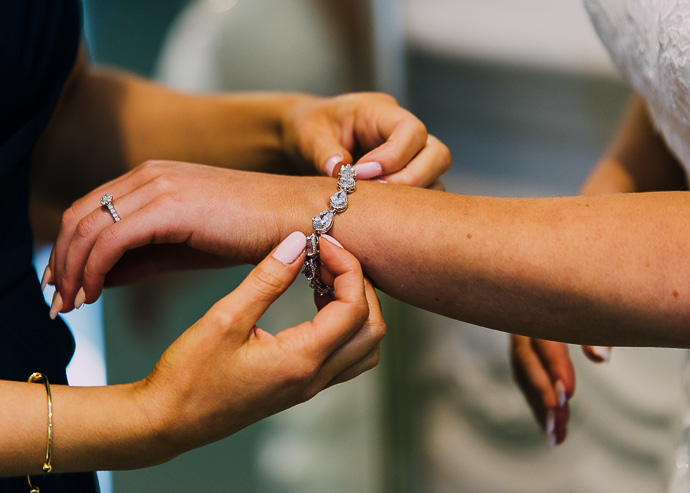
(637, 161)
(600, 270)
(185, 402)
(105, 125)
(108, 122)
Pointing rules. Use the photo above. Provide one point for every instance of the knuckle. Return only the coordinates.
(378, 331)
(150, 167)
(107, 239)
(301, 374)
(266, 283)
(85, 227)
(372, 360)
(163, 183)
(223, 319)
(445, 158)
(386, 98)
(69, 217)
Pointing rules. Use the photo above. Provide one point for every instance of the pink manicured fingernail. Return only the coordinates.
(560, 393)
(332, 240)
(79, 299)
(46, 278)
(603, 352)
(550, 428)
(379, 180)
(331, 163)
(291, 248)
(368, 170)
(56, 305)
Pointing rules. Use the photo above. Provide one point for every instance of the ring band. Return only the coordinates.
(107, 200)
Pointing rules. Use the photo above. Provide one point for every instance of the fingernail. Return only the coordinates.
(368, 170)
(550, 428)
(603, 352)
(331, 164)
(56, 305)
(80, 298)
(379, 180)
(290, 248)
(332, 240)
(560, 393)
(46, 278)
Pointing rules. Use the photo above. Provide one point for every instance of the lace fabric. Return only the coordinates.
(649, 41)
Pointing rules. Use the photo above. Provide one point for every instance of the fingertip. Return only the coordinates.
(331, 163)
(598, 354)
(290, 248)
(56, 305)
(47, 278)
(368, 170)
(332, 240)
(550, 429)
(80, 298)
(561, 394)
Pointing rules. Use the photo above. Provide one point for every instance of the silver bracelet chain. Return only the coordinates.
(322, 223)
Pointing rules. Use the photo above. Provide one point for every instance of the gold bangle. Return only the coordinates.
(40, 377)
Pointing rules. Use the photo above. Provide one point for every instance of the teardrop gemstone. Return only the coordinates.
(322, 222)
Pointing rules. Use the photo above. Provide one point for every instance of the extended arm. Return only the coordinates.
(108, 122)
(603, 270)
(637, 160)
(223, 374)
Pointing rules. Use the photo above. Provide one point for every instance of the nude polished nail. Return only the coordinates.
(79, 299)
(56, 305)
(47, 278)
(560, 393)
(368, 170)
(331, 164)
(332, 240)
(290, 248)
(550, 429)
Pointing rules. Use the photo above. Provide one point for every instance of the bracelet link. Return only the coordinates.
(323, 222)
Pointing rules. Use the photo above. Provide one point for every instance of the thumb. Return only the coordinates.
(328, 152)
(264, 284)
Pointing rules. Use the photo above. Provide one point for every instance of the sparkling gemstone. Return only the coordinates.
(312, 245)
(347, 170)
(322, 222)
(346, 183)
(310, 268)
(338, 201)
(106, 199)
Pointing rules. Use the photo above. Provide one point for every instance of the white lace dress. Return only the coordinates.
(649, 41)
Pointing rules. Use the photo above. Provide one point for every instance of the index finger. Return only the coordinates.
(396, 139)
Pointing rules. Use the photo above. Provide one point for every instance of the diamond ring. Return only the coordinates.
(107, 200)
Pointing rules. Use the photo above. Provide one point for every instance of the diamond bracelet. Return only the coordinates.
(347, 180)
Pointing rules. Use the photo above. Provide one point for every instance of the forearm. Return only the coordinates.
(637, 160)
(99, 428)
(573, 269)
(108, 122)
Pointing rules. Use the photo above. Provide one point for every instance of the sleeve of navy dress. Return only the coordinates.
(39, 40)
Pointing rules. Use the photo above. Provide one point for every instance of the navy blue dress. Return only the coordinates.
(39, 41)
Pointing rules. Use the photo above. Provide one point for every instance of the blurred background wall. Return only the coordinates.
(526, 99)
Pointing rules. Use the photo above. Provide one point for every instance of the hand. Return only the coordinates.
(383, 140)
(173, 215)
(546, 377)
(543, 371)
(224, 373)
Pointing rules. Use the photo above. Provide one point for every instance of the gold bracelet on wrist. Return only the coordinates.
(40, 377)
